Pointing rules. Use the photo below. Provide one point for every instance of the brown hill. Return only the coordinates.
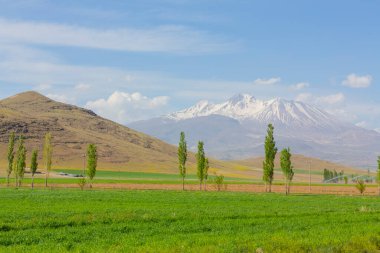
(73, 128)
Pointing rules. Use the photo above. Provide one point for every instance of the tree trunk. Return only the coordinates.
(270, 187)
(200, 186)
(8, 180)
(183, 183)
(46, 179)
(33, 181)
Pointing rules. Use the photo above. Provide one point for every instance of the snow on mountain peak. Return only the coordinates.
(241, 98)
(246, 107)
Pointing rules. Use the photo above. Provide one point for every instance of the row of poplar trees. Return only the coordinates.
(202, 162)
(17, 159)
(268, 163)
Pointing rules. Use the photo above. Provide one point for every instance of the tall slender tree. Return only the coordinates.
(200, 163)
(205, 176)
(11, 155)
(378, 172)
(48, 153)
(270, 155)
(20, 162)
(34, 165)
(92, 162)
(182, 158)
(287, 168)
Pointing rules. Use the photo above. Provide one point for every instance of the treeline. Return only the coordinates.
(336, 176)
(202, 162)
(268, 163)
(17, 156)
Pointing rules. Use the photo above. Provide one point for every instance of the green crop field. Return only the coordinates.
(172, 221)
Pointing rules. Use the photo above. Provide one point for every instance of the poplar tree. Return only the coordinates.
(48, 152)
(182, 157)
(92, 162)
(11, 155)
(378, 172)
(200, 163)
(34, 165)
(270, 155)
(20, 162)
(287, 168)
(205, 176)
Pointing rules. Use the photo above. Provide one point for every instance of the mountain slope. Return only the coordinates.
(73, 128)
(305, 128)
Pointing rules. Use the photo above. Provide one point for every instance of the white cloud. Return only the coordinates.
(127, 107)
(363, 124)
(355, 81)
(43, 87)
(321, 100)
(331, 99)
(82, 87)
(270, 81)
(299, 86)
(305, 98)
(60, 98)
(377, 130)
(158, 39)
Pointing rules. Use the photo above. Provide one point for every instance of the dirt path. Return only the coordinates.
(328, 189)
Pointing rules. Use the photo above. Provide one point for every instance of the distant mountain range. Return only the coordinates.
(236, 129)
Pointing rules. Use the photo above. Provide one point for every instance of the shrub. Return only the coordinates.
(219, 183)
(360, 185)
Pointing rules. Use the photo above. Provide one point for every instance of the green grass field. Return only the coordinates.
(171, 221)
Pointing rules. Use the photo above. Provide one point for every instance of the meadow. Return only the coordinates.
(189, 221)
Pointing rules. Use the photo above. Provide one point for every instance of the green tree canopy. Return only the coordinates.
(11, 155)
(201, 159)
(34, 165)
(20, 162)
(287, 168)
(92, 161)
(270, 155)
(182, 158)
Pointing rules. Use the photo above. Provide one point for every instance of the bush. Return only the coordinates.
(219, 183)
(360, 185)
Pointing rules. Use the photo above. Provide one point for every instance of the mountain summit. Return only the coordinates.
(236, 129)
(276, 111)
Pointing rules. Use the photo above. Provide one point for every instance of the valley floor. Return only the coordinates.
(191, 221)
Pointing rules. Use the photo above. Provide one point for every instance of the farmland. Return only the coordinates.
(174, 221)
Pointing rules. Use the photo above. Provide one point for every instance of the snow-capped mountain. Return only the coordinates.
(236, 129)
(246, 107)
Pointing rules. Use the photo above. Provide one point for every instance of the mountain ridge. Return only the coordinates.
(307, 129)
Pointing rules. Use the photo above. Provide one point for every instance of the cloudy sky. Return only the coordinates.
(130, 60)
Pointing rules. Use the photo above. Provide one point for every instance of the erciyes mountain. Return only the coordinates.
(236, 129)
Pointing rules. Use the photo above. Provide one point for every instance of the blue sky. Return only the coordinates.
(130, 60)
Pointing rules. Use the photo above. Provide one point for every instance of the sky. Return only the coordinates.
(133, 60)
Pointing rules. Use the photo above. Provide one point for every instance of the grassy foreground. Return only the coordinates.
(170, 221)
